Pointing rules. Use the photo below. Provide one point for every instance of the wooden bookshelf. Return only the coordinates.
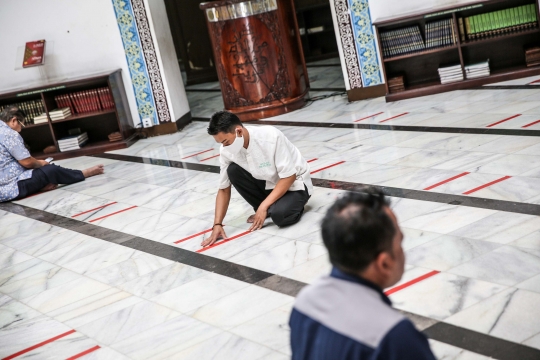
(506, 52)
(98, 124)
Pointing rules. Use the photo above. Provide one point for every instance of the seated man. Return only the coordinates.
(20, 174)
(265, 168)
(346, 315)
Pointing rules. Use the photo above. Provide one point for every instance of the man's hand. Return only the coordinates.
(260, 216)
(42, 163)
(217, 233)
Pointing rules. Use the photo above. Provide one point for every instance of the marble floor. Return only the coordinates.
(112, 268)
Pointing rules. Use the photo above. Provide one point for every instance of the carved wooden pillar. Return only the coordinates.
(258, 55)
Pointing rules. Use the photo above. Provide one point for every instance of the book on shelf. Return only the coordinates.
(86, 101)
(41, 119)
(72, 142)
(440, 33)
(498, 23)
(478, 70)
(532, 56)
(115, 136)
(396, 84)
(450, 74)
(31, 108)
(402, 41)
(60, 114)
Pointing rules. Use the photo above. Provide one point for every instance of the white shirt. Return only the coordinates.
(270, 156)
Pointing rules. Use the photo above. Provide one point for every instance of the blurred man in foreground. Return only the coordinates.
(346, 315)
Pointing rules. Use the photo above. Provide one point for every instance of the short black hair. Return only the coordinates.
(223, 121)
(356, 229)
(10, 112)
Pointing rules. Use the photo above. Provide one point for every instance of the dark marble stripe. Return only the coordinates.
(492, 204)
(449, 334)
(480, 343)
(451, 130)
(507, 87)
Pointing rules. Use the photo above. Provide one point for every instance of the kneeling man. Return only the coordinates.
(264, 167)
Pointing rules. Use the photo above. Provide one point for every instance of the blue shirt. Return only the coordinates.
(11, 150)
(344, 317)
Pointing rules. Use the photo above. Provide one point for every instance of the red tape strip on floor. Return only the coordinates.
(39, 345)
(535, 82)
(503, 120)
(486, 185)
(326, 167)
(114, 213)
(223, 241)
(412, 282)
(531, 124)
(312, 160)
(393, 117)
(211, 157)
(202, 152)
(84, 353)
(446, 181)
(194, 235)
(370, 116)
(94, 209)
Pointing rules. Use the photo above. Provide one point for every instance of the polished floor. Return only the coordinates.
(112, 268)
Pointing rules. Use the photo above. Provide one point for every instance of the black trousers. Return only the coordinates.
(48, 174)
(286, 211)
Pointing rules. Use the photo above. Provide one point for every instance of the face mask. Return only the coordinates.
(237, 145)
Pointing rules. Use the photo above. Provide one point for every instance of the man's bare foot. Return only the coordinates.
(49, 187)
(93, 171)
(251, 219)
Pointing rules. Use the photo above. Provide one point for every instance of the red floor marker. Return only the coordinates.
(409, 283)
(393, 117)
(503, 120)
(535, 82)
(202, 152)
(446, 181)
(531, 124)
(114, 213)
(326, 167)
(84, 353)
(211, 157)
(13, 356)
(312, 160)
(486, 185)
(94, 209)
(370, 116)
(223, 241)
(194, 235)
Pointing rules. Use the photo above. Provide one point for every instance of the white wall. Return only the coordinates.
(168, 62)
(389, 9)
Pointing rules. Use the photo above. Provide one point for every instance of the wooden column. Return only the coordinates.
(258, 55)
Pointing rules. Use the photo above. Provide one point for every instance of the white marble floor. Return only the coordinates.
(109, 301)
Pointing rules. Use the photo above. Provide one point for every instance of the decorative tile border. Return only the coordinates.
(346, 35)
(152, 63)
(135, 59)
(365, 42)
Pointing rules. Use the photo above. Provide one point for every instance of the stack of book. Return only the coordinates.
(498, 23)
(402, 41)
(396, 84)
(450, 74)
(474, 71)
(32, 109)
(86, 101)
(41, 119)
(440, 34)
(60, 114)
(532, 56)
(115, 136)
(72, 142)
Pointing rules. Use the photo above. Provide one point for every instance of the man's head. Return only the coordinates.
(13, 117)
(362, 236)
(225, 127)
